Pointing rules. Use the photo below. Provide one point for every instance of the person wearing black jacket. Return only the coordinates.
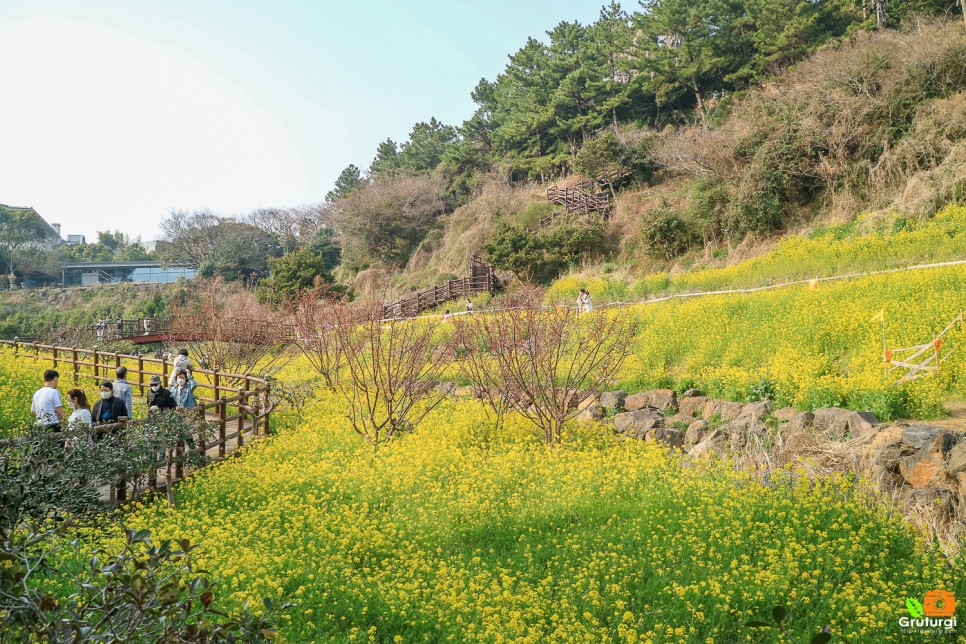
(158, 396)
(109, 409)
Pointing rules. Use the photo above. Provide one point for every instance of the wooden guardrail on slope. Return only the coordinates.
(239, 405)
(146, 330)
(482, 279)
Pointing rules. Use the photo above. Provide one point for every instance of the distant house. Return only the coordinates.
(73, 240)
(92, 273)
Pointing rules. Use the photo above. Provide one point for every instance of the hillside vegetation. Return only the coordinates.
(871, 125)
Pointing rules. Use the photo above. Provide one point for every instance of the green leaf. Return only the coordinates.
(821, 638)
(778, 612)
(915, 608)
(754, 624)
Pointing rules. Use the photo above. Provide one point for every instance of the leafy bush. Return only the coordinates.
(664, 233)
(53, 590)
(542, 257)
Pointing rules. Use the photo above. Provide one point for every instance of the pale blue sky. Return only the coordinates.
(124, 110)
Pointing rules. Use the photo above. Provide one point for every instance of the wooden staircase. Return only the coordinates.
(584, 198)
(482, 279)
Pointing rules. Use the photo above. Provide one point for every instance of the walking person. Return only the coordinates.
(46, 405)
(181, 363)
(109, 409)
(81, 414)
(581, 301)
(183, 391)
(588, 305)
(123, 390)
(158, 397)
(469, 307)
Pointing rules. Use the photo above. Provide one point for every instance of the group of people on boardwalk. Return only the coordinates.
(116, 403)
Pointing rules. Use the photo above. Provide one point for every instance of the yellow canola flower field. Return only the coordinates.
(872, 242)
(461, 533)
(809, 348)
(20, 377)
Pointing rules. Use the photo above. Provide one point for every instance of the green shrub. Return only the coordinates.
(665, 234)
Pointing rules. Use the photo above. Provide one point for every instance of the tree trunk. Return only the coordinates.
(697, 98)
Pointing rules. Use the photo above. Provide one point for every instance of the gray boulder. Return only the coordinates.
(757, 410)
(636, 401)
(637, 423)
(731, 410)
(842, 422)
(592, 412)
(695, 433)
(673, 438)
(679, 420)
(662, 399)
(714, 442)
(692, 405)
(801, 421)
(919, 434)
(785, 414)
(613, 399)
(742, 430)
(956, 459)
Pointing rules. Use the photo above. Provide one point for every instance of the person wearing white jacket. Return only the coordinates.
(181, 363)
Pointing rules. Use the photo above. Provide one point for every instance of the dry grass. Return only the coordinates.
(446, 252)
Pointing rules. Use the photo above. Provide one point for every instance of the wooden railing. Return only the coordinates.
(588, 196)
(482, 279)
(577, 200)
(546, 222)
(239, 405)
(186, 328)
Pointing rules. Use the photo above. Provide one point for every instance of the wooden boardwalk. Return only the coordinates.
(237, 405)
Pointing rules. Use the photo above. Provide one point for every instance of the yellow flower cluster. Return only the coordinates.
(826, 253)
(20, 377)
(809, 348)
(885, 243)
(459, 532)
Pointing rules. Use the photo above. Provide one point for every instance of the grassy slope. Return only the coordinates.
(868, 244)
(43, 313)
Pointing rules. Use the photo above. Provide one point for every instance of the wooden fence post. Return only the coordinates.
(76, 366)
(220, 408)
(267, 406)
(222, 427)
(241, 417)
(202, 447)
(94, 361)
(141, 374)
(256, 409)
(55, 356)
